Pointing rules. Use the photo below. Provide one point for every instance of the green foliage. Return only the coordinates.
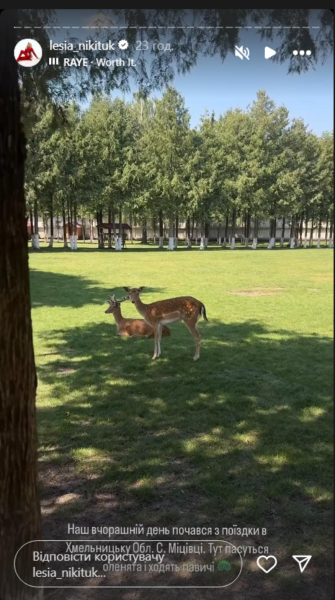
(142, 158)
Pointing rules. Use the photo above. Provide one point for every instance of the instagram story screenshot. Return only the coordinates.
(166, 304)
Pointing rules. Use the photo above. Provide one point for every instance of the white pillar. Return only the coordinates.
(160, 242)
(305, 243)
(271, 243)
(232, 245)
(318, 244)
(292, 242)
(75, 242)
(331, 243)
(282, 242)
(171, 243)
(202, 243)
(254, 243)
(51, 241)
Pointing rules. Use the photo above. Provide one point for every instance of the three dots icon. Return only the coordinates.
(302, 53)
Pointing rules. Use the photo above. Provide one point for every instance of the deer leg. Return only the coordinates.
(160, 329)
(193, 328)
(156, 342)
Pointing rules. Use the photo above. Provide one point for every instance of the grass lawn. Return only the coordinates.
(242, 437)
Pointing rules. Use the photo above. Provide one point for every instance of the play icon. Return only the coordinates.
(302, 561)
(268, 52)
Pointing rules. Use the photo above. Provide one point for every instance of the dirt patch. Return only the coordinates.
(258, 291)
(66, 371)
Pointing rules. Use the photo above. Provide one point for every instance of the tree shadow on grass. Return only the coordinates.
(241, 437)
(57, 289)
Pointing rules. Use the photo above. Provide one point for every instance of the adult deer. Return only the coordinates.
(163, 312)
(130, 327)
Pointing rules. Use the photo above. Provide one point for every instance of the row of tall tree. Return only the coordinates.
(142, 161)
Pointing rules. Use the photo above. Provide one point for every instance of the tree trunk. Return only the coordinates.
(144, 232)
(161, 230)
(109, 230)
(36, 238)
(248, 226)
(101, 217)
(74, 227)
(301, 227)
(255, 237)
(31, 223)
(273, 229)
(331, 242)
(206, 234)
(319, 233)
(35, 217)
(232, 245)
(292, 233)
(69, 222)
(64, 224)
(114, 230)
(118, 243)
(202, 236)
(171, 233)
(154, 231)
(311, 232)
(326, 234)
(176, 231)
(51, 240)
(20, 518)
(131, 230)
(188, 239)
(306, 225)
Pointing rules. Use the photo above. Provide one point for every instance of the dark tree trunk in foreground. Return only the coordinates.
(20, 519)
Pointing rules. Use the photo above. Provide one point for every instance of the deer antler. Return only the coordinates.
(123, 299)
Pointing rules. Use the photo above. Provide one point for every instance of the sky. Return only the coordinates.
(217, 86)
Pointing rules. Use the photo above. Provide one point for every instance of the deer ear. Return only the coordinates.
(141, 288)
(126, 288)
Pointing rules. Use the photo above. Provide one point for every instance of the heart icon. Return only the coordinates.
(267, 567)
